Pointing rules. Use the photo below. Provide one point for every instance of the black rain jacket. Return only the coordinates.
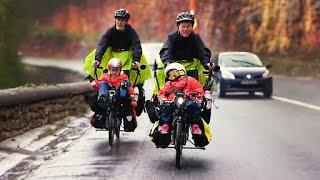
(125, 40)
(178, 48)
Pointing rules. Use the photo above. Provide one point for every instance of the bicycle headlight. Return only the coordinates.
(180, 100)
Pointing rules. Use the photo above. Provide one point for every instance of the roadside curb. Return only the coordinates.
(15, 150)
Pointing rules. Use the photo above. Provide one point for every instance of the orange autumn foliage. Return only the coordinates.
(268, 26)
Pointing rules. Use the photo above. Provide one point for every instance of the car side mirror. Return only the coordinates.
(268, 66)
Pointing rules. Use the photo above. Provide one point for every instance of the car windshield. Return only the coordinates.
(240, 60)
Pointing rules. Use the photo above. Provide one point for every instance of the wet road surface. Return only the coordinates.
(253, 138)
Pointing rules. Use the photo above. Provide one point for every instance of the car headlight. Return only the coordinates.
(227, 75)
(266, 74)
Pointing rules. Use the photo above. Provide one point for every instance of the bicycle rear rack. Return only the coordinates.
(100, 129)
(183, 147)
(203, 148)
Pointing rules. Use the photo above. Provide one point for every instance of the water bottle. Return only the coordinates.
(123, 92)
(123, 88)
(136, 93)
(208, 97)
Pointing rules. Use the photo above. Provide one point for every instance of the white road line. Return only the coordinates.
(311, 106)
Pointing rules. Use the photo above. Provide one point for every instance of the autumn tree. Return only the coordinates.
(16, 21)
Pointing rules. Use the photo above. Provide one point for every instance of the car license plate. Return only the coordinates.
(249, 82)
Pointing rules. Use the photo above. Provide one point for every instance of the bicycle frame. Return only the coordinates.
(180, 128)
(113, 121)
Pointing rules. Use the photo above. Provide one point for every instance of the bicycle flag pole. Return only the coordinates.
(192, 9)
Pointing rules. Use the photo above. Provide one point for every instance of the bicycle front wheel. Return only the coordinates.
(111, 127)
(178, 145)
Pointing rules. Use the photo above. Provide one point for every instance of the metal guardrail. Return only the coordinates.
(35, 94)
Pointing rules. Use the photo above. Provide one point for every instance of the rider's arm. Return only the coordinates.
(194, 86)
(103, 45)
(204, 53)
(95, 85)
(194, 90)
(135, 45)
(161, 95)
(164, 91)
(166, 51)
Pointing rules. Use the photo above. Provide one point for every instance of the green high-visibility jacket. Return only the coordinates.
(190, 65)
(126, 59)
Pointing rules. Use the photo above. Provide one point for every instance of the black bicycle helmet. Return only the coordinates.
(122, 13)
(185, 16)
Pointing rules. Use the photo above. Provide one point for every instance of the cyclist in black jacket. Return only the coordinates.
(120, 37)
(124, 43)
(187, 48)
(184, 45)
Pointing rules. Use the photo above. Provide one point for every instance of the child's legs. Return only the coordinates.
(166, 113)
(103, 89)
(194, 112)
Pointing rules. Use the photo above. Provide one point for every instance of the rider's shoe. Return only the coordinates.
(129, 123)
(96, 120)
(131, 118)
(93, 118)
(128, 118)
(195, 129)
(165, 129)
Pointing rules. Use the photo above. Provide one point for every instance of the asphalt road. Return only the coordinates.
(302, 89)
(253, 138)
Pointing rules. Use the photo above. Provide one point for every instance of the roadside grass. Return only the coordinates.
(46, 132)
(52, 146)
(293, 66)
(50, 131)
(62, 124)
(3, 136)
(33, 85)
(83, 110)
(46, 158)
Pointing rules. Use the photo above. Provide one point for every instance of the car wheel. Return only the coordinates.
(220, 91)
(267, 91)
